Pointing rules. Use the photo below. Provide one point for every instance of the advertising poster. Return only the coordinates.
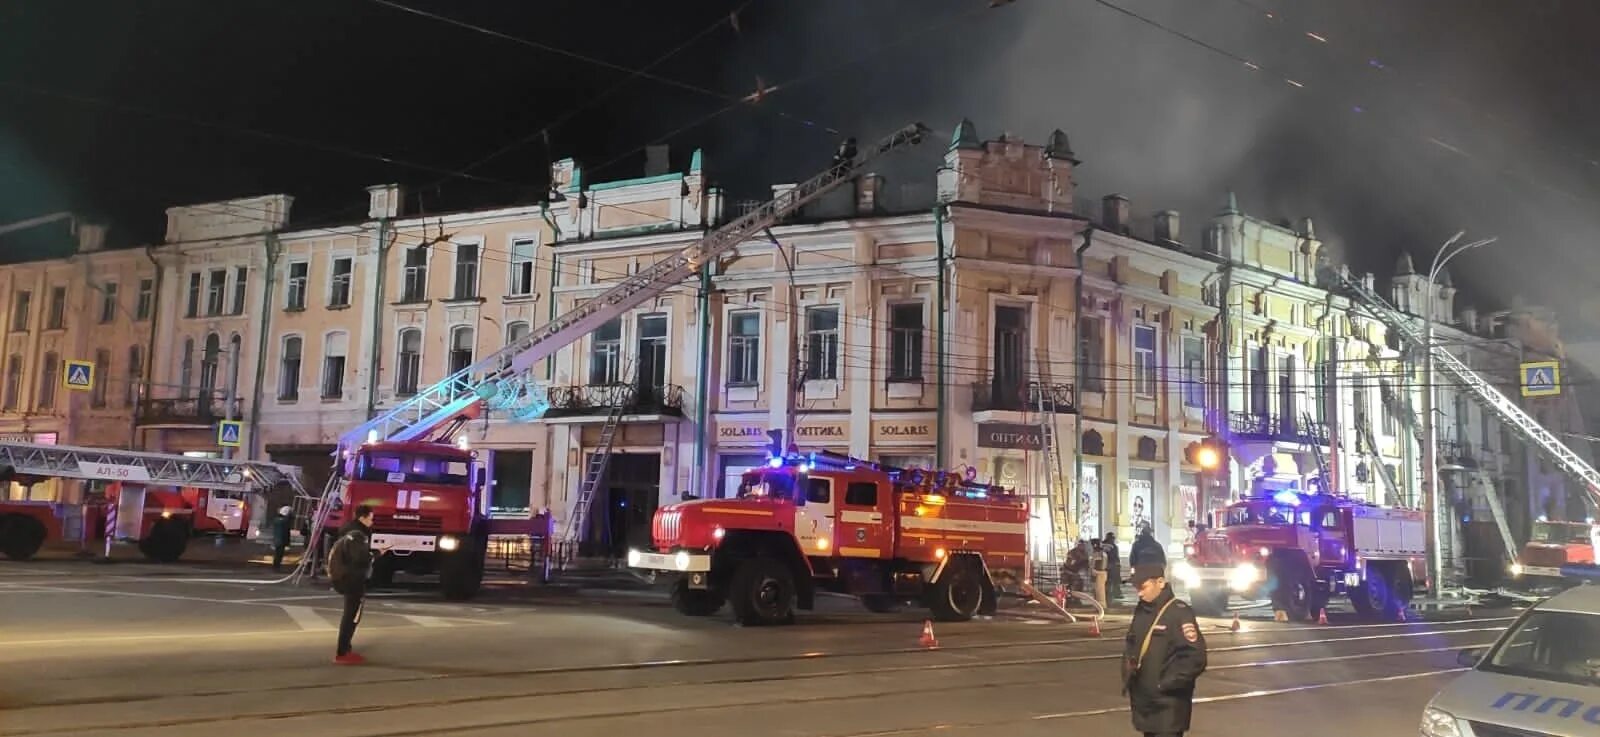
(1139, 503)
(1089, 503)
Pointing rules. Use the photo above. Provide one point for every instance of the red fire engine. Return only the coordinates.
(1555, 551)
(172, 515)
(825, 522)
(425, 510)
(1300, 549)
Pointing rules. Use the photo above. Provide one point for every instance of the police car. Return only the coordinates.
(1541, 679)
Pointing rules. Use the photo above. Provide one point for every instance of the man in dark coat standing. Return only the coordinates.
(280, 536)
(1163, 655)
(1146, 551)
(349, 564)
(1113, 567)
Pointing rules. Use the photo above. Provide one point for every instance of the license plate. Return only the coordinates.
(404, 543)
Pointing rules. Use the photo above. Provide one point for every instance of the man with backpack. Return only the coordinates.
(349, 564)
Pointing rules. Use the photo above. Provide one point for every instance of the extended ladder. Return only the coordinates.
(1045, 405)
(1369, 446)
(1316, 435)
(500, 375)
(140, 467)
(1505, 410)
(594, 472)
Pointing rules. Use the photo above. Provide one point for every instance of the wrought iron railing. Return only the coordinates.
(192, 411)
(598, 399)
(1275, 427)
(1013, 396)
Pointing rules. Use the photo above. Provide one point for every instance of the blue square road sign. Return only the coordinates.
(229, 432)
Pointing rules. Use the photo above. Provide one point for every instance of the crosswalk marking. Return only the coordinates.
(308, 618)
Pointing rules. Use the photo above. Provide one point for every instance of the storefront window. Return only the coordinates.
(513, 480)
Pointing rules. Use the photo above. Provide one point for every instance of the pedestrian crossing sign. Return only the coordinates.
(229, 432)
(78, 375)
(1541, 378)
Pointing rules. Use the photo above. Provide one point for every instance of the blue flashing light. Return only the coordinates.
(774, 462)
(1287, 497)
(1581, 571)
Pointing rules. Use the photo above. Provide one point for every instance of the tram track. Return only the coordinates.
(757, 681)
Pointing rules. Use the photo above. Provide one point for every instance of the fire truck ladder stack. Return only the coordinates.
(1055, 490)
(499, 381)
(594, 472)
(1369, 448)
(140, 467)
(1490, 398)
(1316, 437)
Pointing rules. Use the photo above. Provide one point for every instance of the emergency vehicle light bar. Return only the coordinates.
(955, 484)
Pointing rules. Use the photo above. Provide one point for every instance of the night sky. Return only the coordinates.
(1393, 124)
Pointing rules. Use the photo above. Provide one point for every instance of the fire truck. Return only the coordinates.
(1301, 549)
(156, 495)
(831, 523)
(1555, 551)
(428, 508)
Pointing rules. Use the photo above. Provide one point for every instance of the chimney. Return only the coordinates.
(383, 201)
(869, 194)
(655, 160)
(1167, 226)
(1114, 213)
(91, 238)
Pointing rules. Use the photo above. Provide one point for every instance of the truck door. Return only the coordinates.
(862, 531)
(1332, 544)
(813, 524)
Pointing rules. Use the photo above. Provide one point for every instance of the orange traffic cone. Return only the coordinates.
(928, 640)
(1322, 616)
(1094, 627)
(1235, 626)
(1061, 597)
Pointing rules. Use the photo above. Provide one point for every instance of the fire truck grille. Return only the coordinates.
(1484, 729)
(407, 521)
(666, 527)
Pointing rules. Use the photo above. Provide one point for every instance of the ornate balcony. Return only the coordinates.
(1254, 426)
(990, 395)
(192, 412)
(599, 399)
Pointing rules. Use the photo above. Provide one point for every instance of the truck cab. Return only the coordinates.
(1300, 549)
(426, 511)
(1554, 546)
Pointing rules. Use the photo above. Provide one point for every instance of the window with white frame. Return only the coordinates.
(1144, 360)
(822, 343)
(296, 286)
(408, 372)
(334, 349)
(186, 369)
(108, 302)
(56, 318)
(147, 299)
(466, 271)
(13, 381)
(905, 341)
(462, 342)
(131, 392)
(191, 307)
(516, 330)
(102, 363)
(241, 279)
(1390, 425)
(605, 354)
(1194, 363)
(208, 366)
(744, 348)
(19, 311)
(414, 277)
(1092, 347)
(289, 368)
(48, 377)
(339, 283)
(522, 264)
(216, 291)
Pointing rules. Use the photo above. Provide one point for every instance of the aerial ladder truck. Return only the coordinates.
(425, 490)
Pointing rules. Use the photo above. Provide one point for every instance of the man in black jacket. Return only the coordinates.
(349, 563)
(1145, 550)
(1163, 655)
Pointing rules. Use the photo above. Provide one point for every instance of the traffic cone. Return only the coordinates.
(928, 640)
(1061, 597)
(1322, 616)
(1094, 627)
(1235, 626)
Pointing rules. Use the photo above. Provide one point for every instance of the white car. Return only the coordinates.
(1541, 679)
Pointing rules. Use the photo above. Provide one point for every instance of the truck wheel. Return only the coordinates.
(763, 593)
(695, 602)
(20, 537)
(1209, 602)
(166, 541)
(1293, 594)
(958, 594)
(1375, 596)
(880, 603)
(461, 572)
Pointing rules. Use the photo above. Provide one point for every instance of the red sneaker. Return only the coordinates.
(350, 658)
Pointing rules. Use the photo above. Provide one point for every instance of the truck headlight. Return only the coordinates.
(681, 560)
(1516, 569)
(1439, 723)
(449, 543)
(633, 558)
(1242, 576)
(1186, 573)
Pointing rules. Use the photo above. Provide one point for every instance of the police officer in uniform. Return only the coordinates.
(1163, 655)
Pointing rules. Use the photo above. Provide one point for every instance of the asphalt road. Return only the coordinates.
(134, 650)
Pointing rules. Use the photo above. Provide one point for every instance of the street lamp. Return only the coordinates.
(1430, 440)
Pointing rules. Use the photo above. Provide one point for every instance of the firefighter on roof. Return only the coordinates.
(1163, 655)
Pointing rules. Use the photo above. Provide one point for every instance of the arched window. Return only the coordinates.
(408, 369)
(461, 344)
(208, 367)
(135, 387)
(186, 369)
(289, 369)
(334, 349)
(515, 331)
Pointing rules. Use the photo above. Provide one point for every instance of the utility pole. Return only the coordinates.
(793, 382)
